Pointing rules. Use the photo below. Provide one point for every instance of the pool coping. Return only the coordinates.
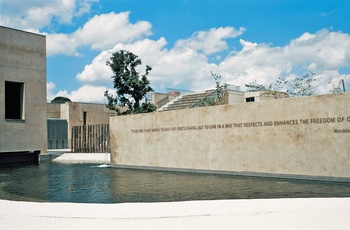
(295, 213)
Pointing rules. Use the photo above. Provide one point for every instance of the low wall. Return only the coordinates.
(305, 137)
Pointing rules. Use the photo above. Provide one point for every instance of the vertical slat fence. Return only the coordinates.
(90, 139)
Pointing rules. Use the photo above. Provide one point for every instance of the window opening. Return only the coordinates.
(14, 107)
(250, 99)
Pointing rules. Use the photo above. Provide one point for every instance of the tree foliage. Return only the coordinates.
(337, 87)
(220, 90)
(206, 101)
(255, 87)
(131, 87)
(60, 100)
(298, 87)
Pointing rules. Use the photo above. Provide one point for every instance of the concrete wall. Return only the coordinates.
(234, 97)
(297, 137)
(96, 113)
(23, 60)
(160, 99)
(265, 95)
(53, 110)
(73, 112)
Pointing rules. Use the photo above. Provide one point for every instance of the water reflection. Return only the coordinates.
(57, 182)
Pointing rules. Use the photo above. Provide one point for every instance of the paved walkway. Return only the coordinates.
(330, 213)
(84, 158)
(64, 155)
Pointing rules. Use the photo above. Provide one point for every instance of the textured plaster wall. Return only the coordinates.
(298, 137)
(23, 59)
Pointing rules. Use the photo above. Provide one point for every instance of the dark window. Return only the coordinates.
(250, 99)
(84, 117)
(14, 100)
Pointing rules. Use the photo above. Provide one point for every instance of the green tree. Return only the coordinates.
(60, 100)
(131, 87)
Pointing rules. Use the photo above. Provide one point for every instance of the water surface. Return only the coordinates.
(88, 183)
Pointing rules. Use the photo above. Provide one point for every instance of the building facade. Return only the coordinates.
(79, 114)
(22, 95)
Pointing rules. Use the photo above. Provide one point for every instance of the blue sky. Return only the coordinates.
(185, 40)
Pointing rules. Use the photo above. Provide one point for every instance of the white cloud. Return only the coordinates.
(323, 53)
(86, 93)
(61, 44)
(112, 28)
(212, 41)
(324, 49)
(172, 67)
(151, 52)
(101, 32)
(36, 14)
(84, 6)
(187, 64)
(179, 66)
(182, 64)
(329, 80)
(50, 86)
(97, 72)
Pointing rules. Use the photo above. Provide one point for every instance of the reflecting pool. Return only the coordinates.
(88, 183)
